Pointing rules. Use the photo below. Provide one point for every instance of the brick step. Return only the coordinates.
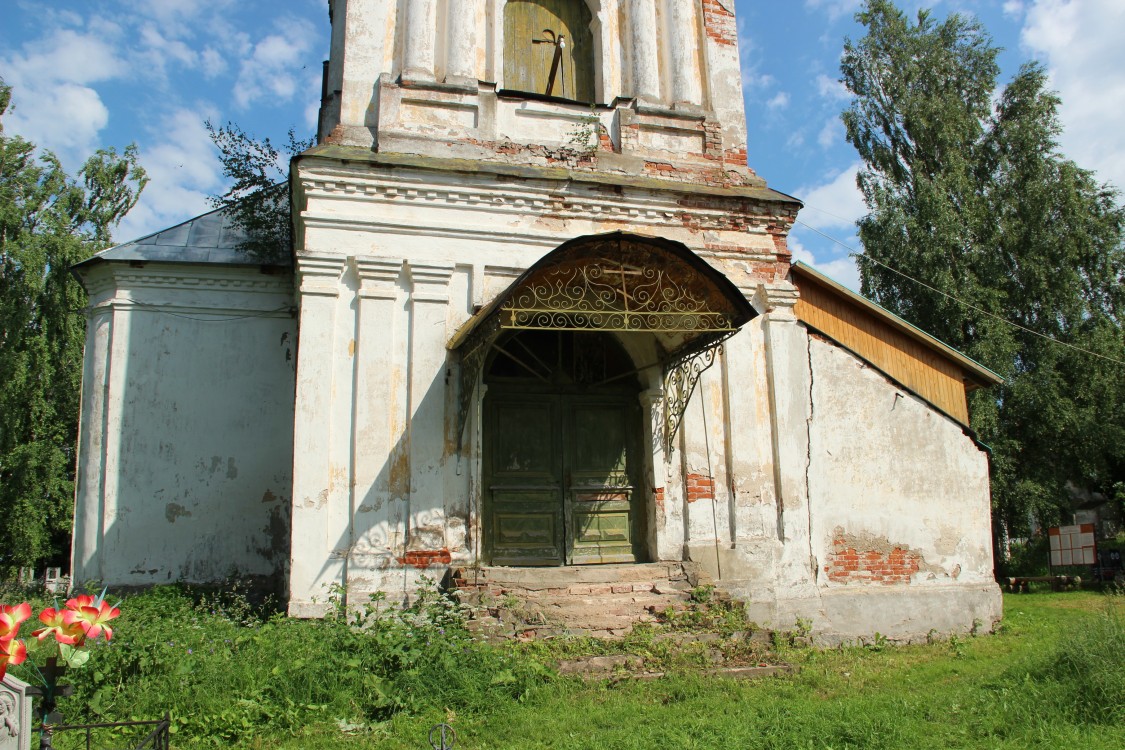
(599, 600)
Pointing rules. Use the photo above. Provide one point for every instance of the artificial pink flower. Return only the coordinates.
(19, 612)
(91, 617)
(11, 652)
(11, 618)
(67, 633)
(80, 601)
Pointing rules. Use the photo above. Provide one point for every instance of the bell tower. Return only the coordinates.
(462, 145)
(649, 87)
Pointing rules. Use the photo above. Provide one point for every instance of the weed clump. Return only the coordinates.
(228, 669)
(1091, 662)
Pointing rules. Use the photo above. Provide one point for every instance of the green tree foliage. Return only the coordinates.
(48, 222)
(258, 197)
(967, 192)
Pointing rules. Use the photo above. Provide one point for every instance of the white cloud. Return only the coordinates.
(828, 222)
(312, 108)
(66, 116)
(834, 8)
(831, 89)
(212, 62)
(750, 60)
(64, 55)
(1013, 8)
(779, 101)
(834, 204)
(55, 104)
(272, 68)
(831, 133)
(172, 14)
(183, 168)
(1079, 42)
(843, 269)
(153, 53)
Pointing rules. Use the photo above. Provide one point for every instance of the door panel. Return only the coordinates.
(557, 478)
(527, 526)
(599, 502)
(523, 481)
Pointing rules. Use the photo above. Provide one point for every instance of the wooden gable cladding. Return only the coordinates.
(921, 363)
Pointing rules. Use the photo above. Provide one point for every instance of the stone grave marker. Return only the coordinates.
(15, 715)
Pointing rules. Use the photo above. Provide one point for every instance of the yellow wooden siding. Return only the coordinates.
(527, 65)
(917, 367)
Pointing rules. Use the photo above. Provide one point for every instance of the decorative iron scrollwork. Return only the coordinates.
(680, 378)
(473, 354)
(620, 294)
(621, 284)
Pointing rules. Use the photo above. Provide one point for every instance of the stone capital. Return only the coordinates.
(431, 281)
(320, 275)
(378, 277)
(776, 300)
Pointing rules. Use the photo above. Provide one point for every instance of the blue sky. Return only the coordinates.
(90, 73)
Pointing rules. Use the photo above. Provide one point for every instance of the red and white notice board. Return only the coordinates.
(1072, 545)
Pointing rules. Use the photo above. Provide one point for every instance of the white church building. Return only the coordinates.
(538, 312)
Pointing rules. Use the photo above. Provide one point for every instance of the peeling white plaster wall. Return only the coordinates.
(887, 472)
(185, 441)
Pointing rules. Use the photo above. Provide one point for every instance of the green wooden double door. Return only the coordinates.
(559, 479)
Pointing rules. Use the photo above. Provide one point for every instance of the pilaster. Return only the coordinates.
(789, 378)
(381, 487)
(89, 514)
(418, 53)
(462, 42)
(311, 563)
(643, 51)
(683, 31)
(429, 309)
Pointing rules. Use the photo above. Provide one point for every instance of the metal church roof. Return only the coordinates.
(208, 238)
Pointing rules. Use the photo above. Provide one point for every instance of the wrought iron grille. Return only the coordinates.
(613, 294)
(615, 283)
(158, 738)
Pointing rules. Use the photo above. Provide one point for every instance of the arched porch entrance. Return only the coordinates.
(565, 444)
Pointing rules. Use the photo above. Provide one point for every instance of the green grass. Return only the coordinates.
(1053, 677)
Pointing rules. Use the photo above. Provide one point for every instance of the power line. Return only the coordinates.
(227, 319)
(858, 254)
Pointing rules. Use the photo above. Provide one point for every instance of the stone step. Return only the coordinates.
(541, 579)
(598, 600)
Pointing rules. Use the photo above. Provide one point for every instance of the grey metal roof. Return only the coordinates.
(209, 238)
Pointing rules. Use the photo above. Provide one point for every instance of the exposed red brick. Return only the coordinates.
(735, 156)
(847, 565)
(424, 558)
(719, 23)
(699, 487)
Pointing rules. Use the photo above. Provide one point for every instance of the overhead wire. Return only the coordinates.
(227, 319)
(858, 254)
